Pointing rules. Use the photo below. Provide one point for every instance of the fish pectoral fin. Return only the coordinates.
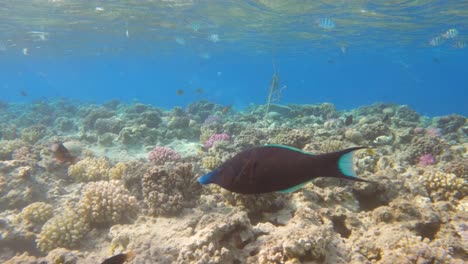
(294, 188)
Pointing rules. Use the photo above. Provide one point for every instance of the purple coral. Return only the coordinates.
(216, 137)
(161, 155)
(425, 160)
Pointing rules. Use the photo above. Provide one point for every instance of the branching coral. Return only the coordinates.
(33, 134)
(116, 172)
(444, 186)
(210, 162)
(36, 213)
(105, 203)
(160, 155)
(89, 169)
(331, 146)
(64, 230)
(168, 189)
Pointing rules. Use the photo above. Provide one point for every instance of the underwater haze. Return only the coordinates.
(233, 131)
(373, 51)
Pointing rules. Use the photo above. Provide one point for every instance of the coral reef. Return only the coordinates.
(33, 134)
(104, 203)
(444, 186)
(168, 189)
(36, 213)
(64, 230)
(294, 138)
(210, 162)
(216, 138)
(160, 155)
(89, 169)
(125, 195)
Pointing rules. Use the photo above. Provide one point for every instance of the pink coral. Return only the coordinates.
(216, 137)
(425, 160)
(161, 155)
(433, 132)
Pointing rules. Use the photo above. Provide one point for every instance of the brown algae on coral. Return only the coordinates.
(134, 187)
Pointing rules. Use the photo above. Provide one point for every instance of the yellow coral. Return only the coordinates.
(64, 230)
(107, 202)
(444, 186)
(116, 172)
(37, 213)
(210, 162)
(89, 169)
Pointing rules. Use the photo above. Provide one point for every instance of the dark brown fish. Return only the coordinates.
(120, 258)
(180, 92)
(62, 154)
(349, 120)
(386, 118)
(278, 168)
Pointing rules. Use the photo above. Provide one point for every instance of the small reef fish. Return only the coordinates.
(326, 23)
(279, 168)
(62, 154)
(199, 91)
(180, 92)
(386, 118)
(120, 258)
(23, 93)
(437, 41)
(459, 44)
(451, 33)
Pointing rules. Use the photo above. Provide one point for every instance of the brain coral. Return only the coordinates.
(64, 230)
(89, 169)
(168, 189)
(106, 202)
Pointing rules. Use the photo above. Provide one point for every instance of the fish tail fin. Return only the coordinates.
(130, 255)
(208, 178)
(345, 164)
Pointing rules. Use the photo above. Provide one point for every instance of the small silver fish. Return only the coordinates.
(437, 41)
(451, 33)
(326, 23)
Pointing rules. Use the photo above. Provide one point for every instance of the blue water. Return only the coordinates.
(432, 80)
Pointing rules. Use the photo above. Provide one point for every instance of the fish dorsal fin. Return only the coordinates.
(290, 148)
(294, 188)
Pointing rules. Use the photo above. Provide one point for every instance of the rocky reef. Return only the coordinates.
(134, 186)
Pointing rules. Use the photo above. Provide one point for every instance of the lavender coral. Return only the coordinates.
(215, 138)
(161, 155)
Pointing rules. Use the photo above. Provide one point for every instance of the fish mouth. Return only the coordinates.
(208, 178)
